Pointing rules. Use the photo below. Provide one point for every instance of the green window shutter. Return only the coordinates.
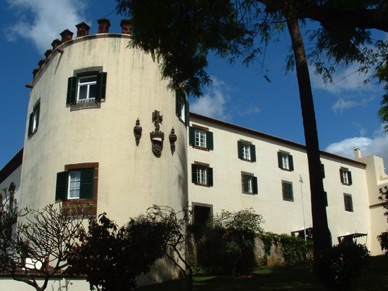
(326, 201)
(37, 113)
(178, 103)
(291, 162)
(240, 149)
(72, 83)
(209, 173)
(87, 184)
(253, 153)
(101, 85)
(342, 176)
(30, 123)
(323, 170)
(209, 140)
(280, 164)
(61, 186)
(187, 112)
(287, 192)
(348, 203)
(194, 173)
(350, 178)
(245, 181)
(254, 185)
(191, 136)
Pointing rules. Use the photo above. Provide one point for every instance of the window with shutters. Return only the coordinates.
(182, 108)
(287, 191)
(201, 138)
(86, 89)
(249, 183)
(34, 119)
(345, 176)
(246, 151)
(77, 185)
(348, 202)
(202, 174)
(285, 161)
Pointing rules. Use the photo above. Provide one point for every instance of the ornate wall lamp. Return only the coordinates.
(172, 137)
(137, 130)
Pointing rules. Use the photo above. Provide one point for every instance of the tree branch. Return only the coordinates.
(335, 20)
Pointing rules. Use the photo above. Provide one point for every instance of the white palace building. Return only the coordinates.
(104, 128)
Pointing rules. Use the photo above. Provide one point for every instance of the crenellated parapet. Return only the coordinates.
(83, 30)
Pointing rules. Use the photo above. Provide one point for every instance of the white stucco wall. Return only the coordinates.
(280, 216)
(131, 178)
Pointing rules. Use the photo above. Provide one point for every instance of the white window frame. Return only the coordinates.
(345, 177)
(285, 161)
(202, 175)
(200, 138)
(88, 85)
(35, 121)
(246, 152)
(250, 184)
(74, 185)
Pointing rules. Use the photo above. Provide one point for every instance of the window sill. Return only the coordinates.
(246, 160)
(85, 105)
(79, 207)
(202, 185)
(201, 148)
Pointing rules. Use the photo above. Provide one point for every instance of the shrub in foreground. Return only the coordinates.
(340, 266)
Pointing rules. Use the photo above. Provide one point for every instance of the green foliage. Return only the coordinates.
(269, 239)
(295, 249)
(111, 257)
(229, 239)
(181, 33)
(383, 239)
(340, 266)
(384, 199)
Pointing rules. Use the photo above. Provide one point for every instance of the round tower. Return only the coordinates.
(103, 128)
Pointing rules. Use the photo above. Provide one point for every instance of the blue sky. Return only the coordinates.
(346, 111)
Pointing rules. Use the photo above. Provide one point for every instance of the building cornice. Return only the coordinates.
(11, 166)
(271, 137)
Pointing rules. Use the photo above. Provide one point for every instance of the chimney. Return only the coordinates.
(126, 26)
(103, 25)
(357, 153)
(82, 29)
(66, 35)
(55, 43)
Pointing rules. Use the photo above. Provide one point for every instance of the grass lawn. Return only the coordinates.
(297, 277)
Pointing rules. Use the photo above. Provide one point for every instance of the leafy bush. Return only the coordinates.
(295, 249)
(228, 242)
(383, 239)
(339, 266)
(112, 257)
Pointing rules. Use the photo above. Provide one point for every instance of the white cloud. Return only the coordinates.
(213, 103)
(341, 104)
(347, 79)
(377, 145)
(42, 20)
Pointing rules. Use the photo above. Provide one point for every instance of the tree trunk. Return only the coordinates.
(321, 232)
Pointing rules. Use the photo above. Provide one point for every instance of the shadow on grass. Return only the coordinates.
(298, 277)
